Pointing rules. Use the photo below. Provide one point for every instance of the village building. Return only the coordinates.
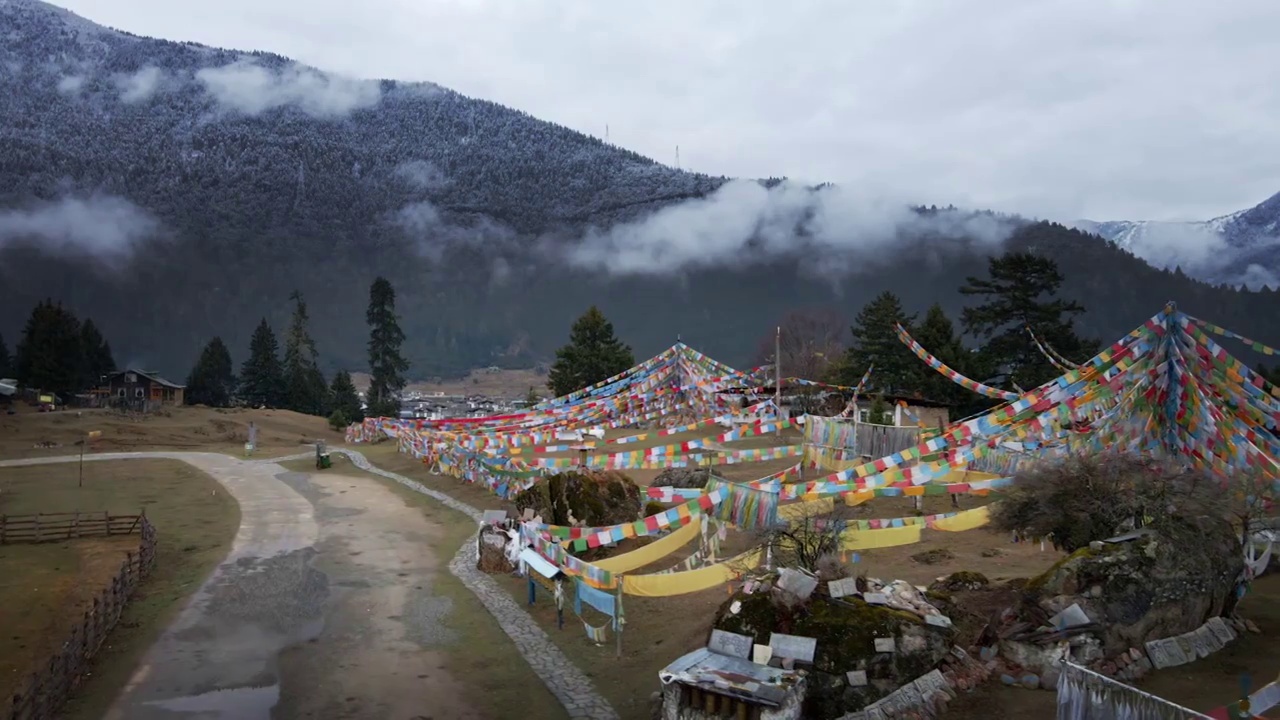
(139, 390)
(917, 411)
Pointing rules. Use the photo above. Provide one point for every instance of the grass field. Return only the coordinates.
(44, 590)
(280, 432)
(195, 522)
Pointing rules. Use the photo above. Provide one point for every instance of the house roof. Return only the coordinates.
(732, 676)
(150, 375)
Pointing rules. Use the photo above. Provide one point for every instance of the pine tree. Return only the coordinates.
(261, 377)
(1021, 292)
(386, 365)
(305, 388)
(95, 356)
(593, 354)
(875, 342)
(211, 381)
(6, 362)
(49, 352)
(344, 398)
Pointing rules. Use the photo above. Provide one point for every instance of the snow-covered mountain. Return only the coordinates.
(1243, 247)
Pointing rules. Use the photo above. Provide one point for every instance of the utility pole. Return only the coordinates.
(777, 381)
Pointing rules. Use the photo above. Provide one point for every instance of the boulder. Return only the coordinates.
(682, 478)
(846, 631)
(590, 498)
(1142, 590)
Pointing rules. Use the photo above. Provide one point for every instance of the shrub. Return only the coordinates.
(1083, 498)
(338, 420)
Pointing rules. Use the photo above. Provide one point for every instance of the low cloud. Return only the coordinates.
(1256, 277)
(421, 175)
(103, 226)
(1199, 249)
(432, 234)
(744, 223)
(140, 86)
(252, 89)
(71, 84)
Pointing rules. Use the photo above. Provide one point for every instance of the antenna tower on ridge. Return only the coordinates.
(677, 157)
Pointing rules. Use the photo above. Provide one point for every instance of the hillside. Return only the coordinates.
(173, 192)
(1242, 247)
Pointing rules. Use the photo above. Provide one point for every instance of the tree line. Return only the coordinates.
(993, 346)
(59, 353)
(294, 381)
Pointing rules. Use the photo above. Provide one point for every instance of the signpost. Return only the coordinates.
(89, 436)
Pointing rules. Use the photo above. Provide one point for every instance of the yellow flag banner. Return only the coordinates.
(967, 520)
(690, 581)
(886, 537)
(652, 552)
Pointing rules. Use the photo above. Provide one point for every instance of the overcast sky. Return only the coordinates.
(1154, 109)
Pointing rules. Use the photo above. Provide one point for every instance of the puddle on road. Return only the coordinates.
(250, 703)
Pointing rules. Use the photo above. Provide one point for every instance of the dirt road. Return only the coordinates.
(322, 609)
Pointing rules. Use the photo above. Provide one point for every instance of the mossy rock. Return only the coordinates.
(846, 632)
(957, 581)
(1145, 589)
(592, 498)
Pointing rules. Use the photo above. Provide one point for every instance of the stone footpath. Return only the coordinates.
(570, 686)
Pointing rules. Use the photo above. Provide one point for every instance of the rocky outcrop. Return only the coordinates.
(682, 478)
(1142, 590)
(591, 498)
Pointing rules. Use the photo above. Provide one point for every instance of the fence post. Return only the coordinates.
(3, 528)
(38, 538)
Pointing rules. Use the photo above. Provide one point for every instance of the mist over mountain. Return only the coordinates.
(1240, 248)
(174, 192)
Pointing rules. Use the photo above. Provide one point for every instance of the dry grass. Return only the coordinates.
(195, 521)
(280, 432)
(44, 591)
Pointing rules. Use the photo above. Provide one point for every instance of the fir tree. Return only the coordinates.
(875, 342)
(211, 381)
(49, 356)
(6, 362)
(344, 398)
(937, 334)
(305, 388)
(1021, 292)
(95, 356)
(261, 377)
(593, 354)
(386, 364)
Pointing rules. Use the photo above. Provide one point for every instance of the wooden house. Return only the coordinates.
(140, 390)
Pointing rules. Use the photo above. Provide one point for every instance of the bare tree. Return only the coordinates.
(812, 541)
(811, 341)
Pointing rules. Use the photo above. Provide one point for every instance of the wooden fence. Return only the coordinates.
(57, 527)
(48, 687)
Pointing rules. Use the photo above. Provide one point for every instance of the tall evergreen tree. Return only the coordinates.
(386, 364)
(49, 352)
(261, 377)
(593, 354)
(937, 334)
(1021, 292)
(305, 388)
(212, 380)
(344, 398)
(95, 355)
(6, 362)
(875, 342)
